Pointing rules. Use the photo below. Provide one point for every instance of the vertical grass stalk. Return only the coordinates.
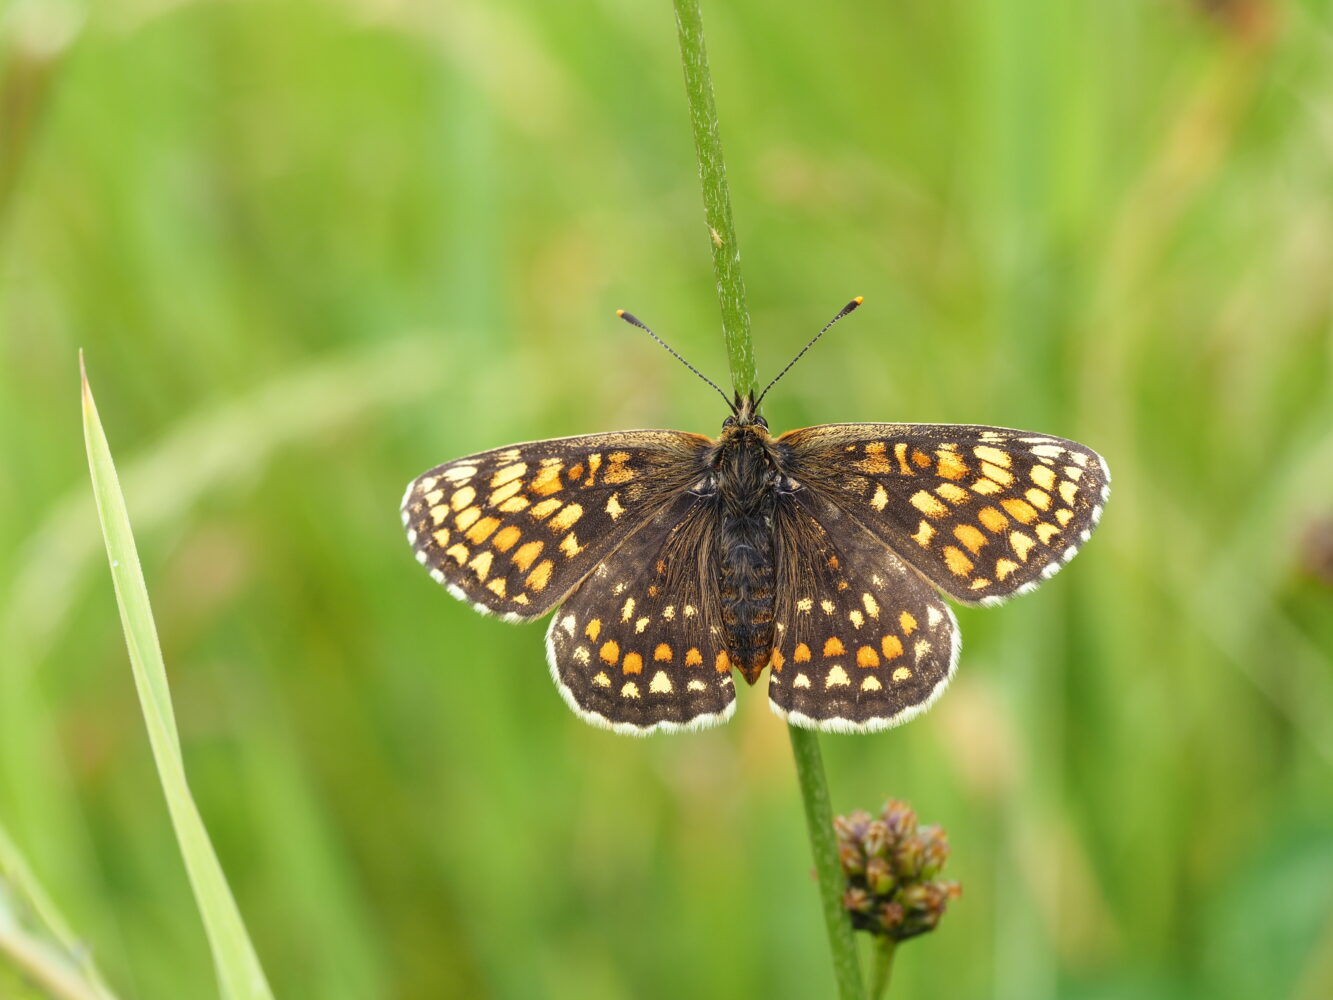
(740, 357)
(240, 976)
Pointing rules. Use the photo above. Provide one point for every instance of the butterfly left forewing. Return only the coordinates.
(984, 513)
(513, 530)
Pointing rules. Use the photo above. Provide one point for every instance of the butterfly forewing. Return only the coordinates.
(638, 647)
(863, 643)
(512, 531)
(984, 513)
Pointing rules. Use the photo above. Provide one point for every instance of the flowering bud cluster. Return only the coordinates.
(891, 866)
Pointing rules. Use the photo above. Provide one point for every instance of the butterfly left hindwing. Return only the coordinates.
(513, 530)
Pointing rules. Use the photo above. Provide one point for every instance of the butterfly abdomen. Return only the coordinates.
(745, 549)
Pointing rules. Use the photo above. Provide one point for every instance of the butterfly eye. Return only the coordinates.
(761, 422)
(729, 422)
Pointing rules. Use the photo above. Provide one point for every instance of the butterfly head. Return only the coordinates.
(745, 420)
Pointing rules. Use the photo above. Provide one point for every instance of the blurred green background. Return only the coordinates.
(311, 249)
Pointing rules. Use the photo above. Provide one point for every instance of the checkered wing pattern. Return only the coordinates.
(639, 646)
(512, 531)
(862, 642)
(984, 513)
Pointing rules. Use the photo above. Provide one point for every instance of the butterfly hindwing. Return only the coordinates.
(862, 642)
(639, 646)
(984, 513)
(512, 531)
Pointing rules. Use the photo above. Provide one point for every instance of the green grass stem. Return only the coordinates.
(240, 976)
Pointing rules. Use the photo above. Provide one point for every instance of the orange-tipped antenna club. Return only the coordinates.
(633, 320)
(849, 307)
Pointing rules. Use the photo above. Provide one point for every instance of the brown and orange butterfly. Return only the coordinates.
(674, 558)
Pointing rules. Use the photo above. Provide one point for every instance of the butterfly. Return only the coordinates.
(675, 560)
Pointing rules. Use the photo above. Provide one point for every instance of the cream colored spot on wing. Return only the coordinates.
(801, 681)
(1019, 510)
(1022, 544)
(804, 604)
(525, 554)
(950, 465)
(933, 615)
(837, 677)
(613, 506)
(992, 519)
(1074, 472)
(661, 683)
(482, 530)
(640, 624)
(1001, 476)
(581, 655)
(1067, 492)
(696, 685)
(871, 605)
(546, 508)
(630, 690)
(871, 683)
(959, 564)
(547, 479)
(433, 497)
(441, 537)
(856, 618)
(986, 487)
(462, 498)
(971, 537)
(601, 680)
(1045, 532)
(459, 473)
(506, 491)
(506, 537)
(481, 565)
(1039, 498)
(567, 518)
(881, 498)
(570, 546)
(427, 483)
(1043, 476)
(928, 505)
(1048, 450)
(993, 455)
(627, 609)
(508, 474)
(514, 504)
(497, 586)
(902, 673)
(951, 492)
(921, 648)
(541, 575)
(459, 553)
(826, 606)
(438, 514)
(1003, 567)
(467, 518)
(924, 533)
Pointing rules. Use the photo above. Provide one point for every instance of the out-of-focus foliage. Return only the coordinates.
(311, 249)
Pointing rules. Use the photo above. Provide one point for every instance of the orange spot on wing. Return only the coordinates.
(541, 576)
(594, 629)
(927, 504)
(610, 652)
(693, 658)
(482, 530)
(867, 657)
(506, 537)
(907, 622)
(891, 646)
(971, 537)
(959, 564)
(662, 654)
(802, 654)
(547, 480)
(920, 459)
(633, 664)
(1019, 510)
(525, 555)
(950, 466)
(722, 664)
(833, 646)
(992, 519)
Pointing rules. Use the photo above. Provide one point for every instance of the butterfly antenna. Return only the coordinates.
(633, 320)
(849, 307)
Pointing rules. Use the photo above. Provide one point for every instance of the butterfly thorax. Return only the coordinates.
(745, 473)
